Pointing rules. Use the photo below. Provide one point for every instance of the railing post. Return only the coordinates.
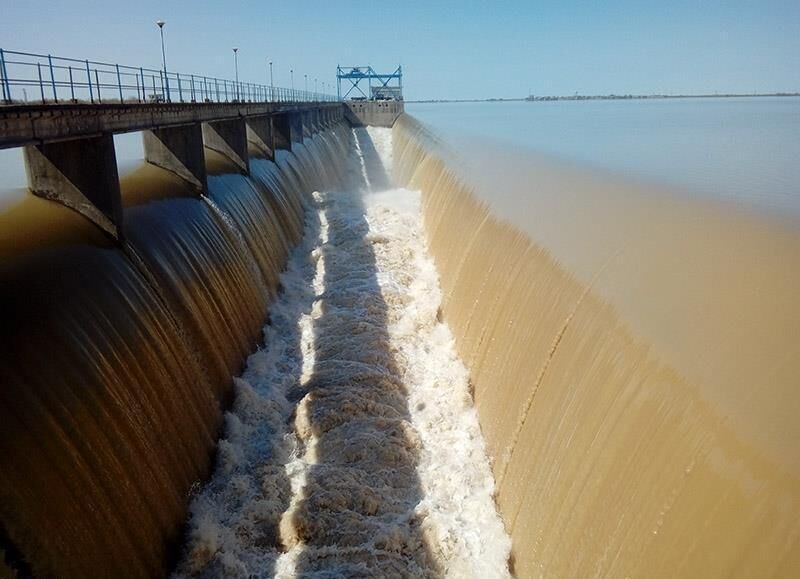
(180, 90)
(144, 86)
(89, 77)
(119, 84)
(225, 88)
(216, 86)
(41, 84)
(191, 81)
(71, 84)
(52, 77)
(4, 74)
(97, 82)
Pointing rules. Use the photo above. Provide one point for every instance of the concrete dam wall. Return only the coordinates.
(118, 358)
(634, 358)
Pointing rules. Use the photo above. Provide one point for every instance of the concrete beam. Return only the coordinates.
(80, 174)
(260, 134)
(282, 131)
(180, 150)
(22, 125)
(229, 138)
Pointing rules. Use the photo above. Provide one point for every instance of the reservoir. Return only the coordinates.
(744, 149)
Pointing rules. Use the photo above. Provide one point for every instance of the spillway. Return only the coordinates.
(380, 356)
(634, 354)
(117, 360)
(352, 448)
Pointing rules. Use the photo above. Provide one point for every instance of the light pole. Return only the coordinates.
(291, 76)
(160, 24)
(315, 89)
(236, 66)
(271, 84)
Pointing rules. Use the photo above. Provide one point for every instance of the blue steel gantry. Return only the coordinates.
(383, 89)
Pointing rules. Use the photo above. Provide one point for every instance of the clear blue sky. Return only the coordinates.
(448, 49)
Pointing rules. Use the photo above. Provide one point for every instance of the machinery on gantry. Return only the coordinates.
(380, 87)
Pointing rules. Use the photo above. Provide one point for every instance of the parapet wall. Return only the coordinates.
(635, 359)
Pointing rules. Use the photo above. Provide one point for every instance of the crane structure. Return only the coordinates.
(379, 86)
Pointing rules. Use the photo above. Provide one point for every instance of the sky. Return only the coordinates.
(467, 49)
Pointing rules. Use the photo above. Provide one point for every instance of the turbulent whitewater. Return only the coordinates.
(352, 447)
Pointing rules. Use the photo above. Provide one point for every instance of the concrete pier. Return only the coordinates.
(80, 174)
(70, 157)
(260, 135)
(229, 138)
(296, 133)
(282, 131)
(180, 150)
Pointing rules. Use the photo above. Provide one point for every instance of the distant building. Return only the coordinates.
(387, 93)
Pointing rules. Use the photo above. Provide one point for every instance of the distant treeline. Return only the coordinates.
(607, 97)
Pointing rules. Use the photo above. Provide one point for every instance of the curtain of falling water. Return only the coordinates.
(643, 419)
(117, 362)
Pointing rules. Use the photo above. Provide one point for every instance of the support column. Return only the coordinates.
(80, 174)
(296, 134)
(260, 134)
(282, 131)
(179, 150)
(307, 131)
(230, 139)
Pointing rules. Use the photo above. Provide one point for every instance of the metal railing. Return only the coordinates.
(46, 79)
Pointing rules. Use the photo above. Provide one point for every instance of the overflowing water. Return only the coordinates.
(635, 360)
(118, 358)
(631, 352)
(352, 448)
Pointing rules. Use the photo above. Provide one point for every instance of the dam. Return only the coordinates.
(316, 339)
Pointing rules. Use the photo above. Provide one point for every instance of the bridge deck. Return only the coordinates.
(22, 125)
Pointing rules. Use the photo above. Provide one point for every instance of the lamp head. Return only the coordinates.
(160, 23)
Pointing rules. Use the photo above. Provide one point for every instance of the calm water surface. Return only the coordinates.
(746, 149)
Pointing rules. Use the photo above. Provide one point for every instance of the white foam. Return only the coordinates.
(381, 465)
